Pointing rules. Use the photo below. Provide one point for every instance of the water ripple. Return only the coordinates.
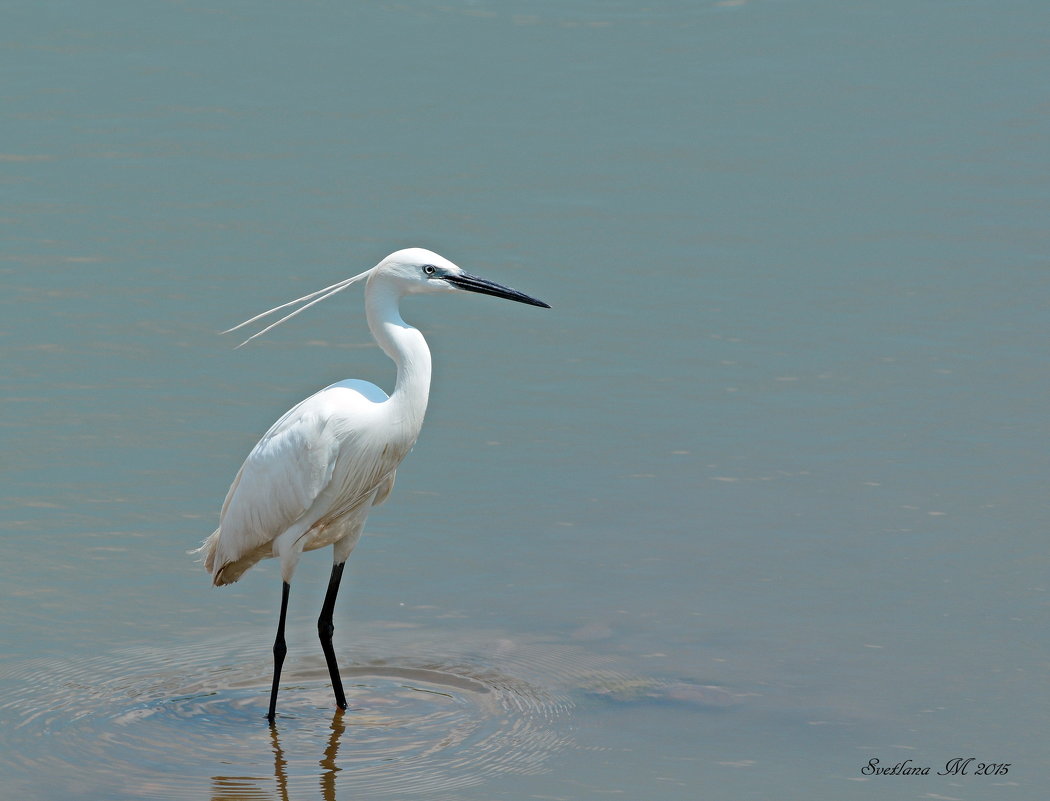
(183, 723)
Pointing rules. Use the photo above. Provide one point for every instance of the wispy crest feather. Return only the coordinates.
(313, 298)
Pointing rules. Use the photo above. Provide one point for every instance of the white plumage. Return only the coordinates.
(314, 476)
(308, 483)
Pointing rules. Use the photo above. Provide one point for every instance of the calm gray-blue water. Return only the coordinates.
(756, 510)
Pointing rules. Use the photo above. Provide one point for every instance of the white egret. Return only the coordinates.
(313, 477)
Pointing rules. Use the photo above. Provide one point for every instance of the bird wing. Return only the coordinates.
(320, 461)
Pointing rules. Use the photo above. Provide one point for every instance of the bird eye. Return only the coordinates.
(429, 269)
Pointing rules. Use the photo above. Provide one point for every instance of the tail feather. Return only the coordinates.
(206, 552)
(224, 570)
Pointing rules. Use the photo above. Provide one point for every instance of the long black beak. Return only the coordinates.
(474, 284)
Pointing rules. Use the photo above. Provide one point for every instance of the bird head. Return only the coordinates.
(409, 272)
(419, 271)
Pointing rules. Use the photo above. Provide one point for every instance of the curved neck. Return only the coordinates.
(406, 346)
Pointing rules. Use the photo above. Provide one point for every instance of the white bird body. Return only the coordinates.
(308, 483)
(315, 475)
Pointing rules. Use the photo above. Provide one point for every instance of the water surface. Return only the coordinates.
(760, 499)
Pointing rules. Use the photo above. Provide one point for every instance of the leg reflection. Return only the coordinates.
(330, 752)
(280, 764)
(327, 763)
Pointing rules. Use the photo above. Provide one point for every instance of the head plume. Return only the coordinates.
(312, 298)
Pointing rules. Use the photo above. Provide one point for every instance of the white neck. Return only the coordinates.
(407, 347)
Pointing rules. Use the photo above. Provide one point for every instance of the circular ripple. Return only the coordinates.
(144, 723)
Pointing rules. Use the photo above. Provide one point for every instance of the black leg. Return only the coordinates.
(324, 631)
(279, 650)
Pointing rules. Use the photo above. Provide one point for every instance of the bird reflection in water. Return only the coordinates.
(330, 752)
(243, 788)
